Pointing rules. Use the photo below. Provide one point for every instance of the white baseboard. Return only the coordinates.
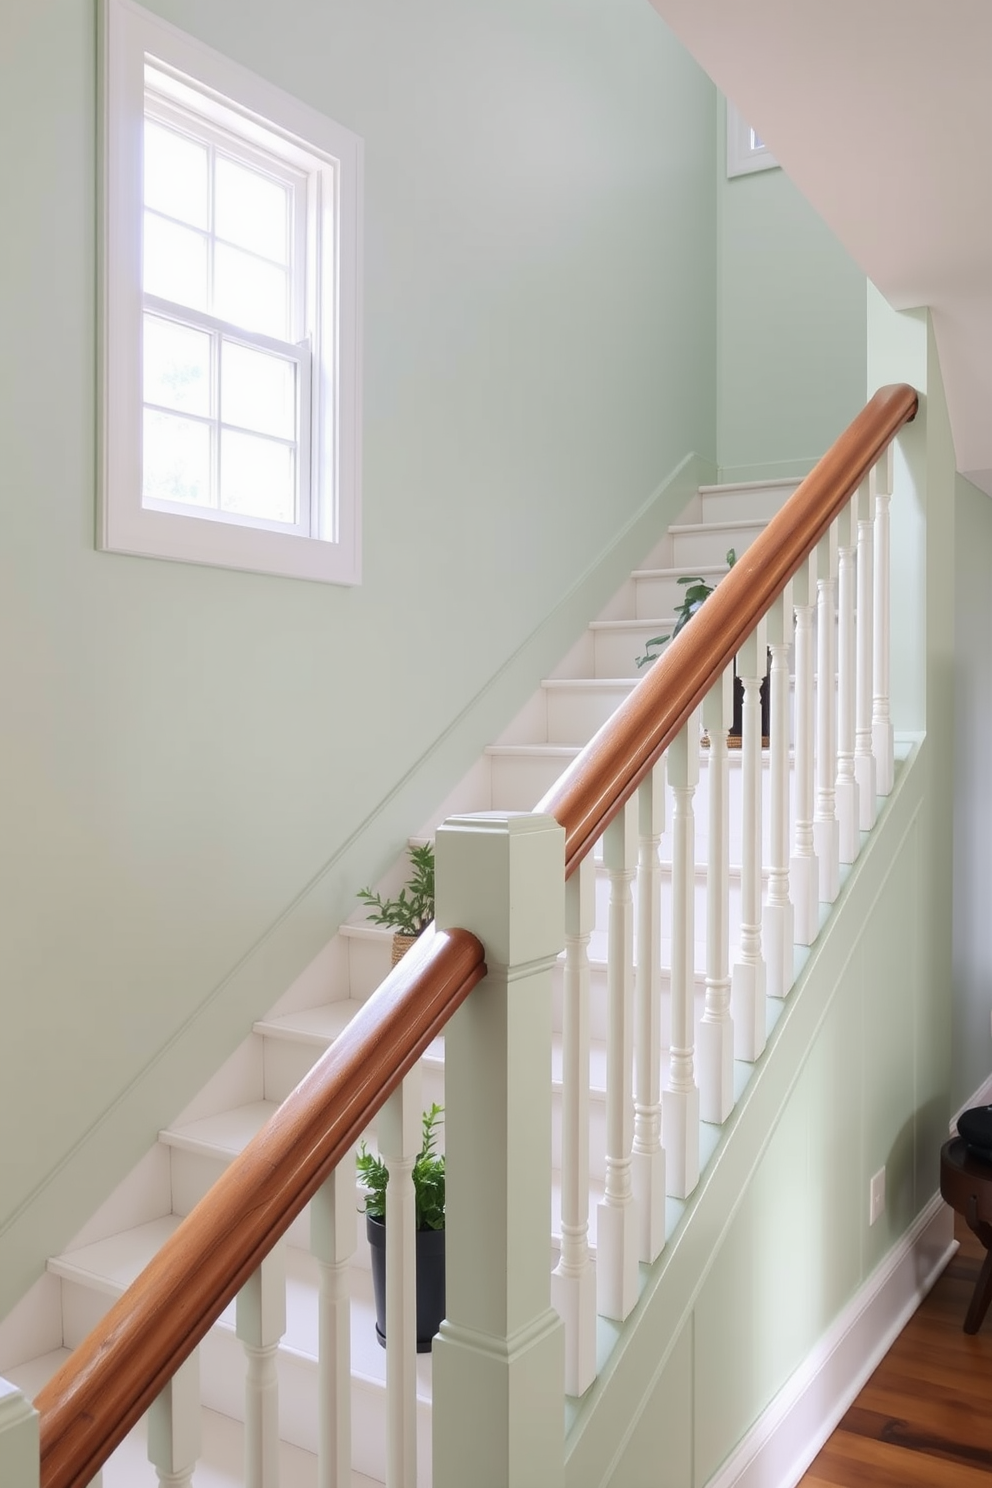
(981, 1097)
(784, 1440)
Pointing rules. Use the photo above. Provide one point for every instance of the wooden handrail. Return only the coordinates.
(117, 1371)
(608, 770)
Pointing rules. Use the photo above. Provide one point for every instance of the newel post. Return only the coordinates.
(19, 1451)
(498, 1413)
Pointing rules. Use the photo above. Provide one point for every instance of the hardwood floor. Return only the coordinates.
(924, 1419)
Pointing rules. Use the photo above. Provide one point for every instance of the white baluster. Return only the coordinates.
(716, 1031)
(174, 1426)
(804, 869)
(778, 916)
(864, 758)
(332, 1242)
(826, 829)
(261, 1322)
(399, 1130)
(498, 1364)
(680, 1102)
(19, 1449)
(848, 808)
(747, 986)
(881, 722)
(573, 1282)
(648, 1153)
(616, 1223)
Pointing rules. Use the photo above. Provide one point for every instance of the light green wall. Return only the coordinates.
(200, 765)
(857, 1075)
(790, 329)
(972, 1046)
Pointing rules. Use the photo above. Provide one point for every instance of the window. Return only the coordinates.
(230, 282)
(746, 150)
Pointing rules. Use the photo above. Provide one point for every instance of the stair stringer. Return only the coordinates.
(659, 1332)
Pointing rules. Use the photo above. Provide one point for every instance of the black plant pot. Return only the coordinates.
(430, 1281)
(737, 724)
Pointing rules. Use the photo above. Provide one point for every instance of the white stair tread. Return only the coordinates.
(226, 1134)
(109, 1266)
(617, 626)
(319, 1026)
(590, 684)
(738, 524)
(545, 751)
(221, 1463)
(779, 483)
(702, 569)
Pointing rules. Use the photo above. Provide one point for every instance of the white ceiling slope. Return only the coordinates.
(881, 112)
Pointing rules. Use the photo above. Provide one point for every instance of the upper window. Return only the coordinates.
(746, 150)
(231, 313)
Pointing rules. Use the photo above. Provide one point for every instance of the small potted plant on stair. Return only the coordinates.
(413, 910)
(428, 1189)
(695, 592)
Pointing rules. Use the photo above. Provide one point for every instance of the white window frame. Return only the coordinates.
(743, 155)
(222, 91)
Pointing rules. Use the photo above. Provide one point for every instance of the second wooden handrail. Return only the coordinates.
(608, 770)
(114, 1375)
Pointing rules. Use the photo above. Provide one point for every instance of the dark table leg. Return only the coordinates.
(982, 1295)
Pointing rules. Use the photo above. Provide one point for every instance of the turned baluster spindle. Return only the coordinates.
(399, 1127)
(573, 1281)
(847, 805)
(747, 986)
(648, 1153)
(174, 1419)
(778, 915)
(864, 758)
(826, 829)
(716, 1031)
(881, 721)
(804, 869)
(616, 1258)
(260, 1324)
(333, 1235)
(680, 1102)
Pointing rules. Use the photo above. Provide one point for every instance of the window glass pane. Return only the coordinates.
(257, 477)
(251, 210)
(176, 459)
(177, 366)
(175, 263)
(258, 391)
(175, 175)
(250, 293)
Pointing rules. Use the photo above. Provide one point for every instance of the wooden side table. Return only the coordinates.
(966, 1184)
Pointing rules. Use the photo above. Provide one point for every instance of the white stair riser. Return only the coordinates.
(709, 544)
(574, 715)
(743, 503)
(660, 593)
(616, 648)
(520, 780)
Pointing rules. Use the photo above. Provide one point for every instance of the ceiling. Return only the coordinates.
(880, 112)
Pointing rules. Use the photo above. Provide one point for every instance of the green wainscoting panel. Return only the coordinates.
(659, 1452)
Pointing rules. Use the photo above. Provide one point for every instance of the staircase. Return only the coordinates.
(568, 708)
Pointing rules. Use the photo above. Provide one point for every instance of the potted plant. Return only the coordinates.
(413, 910)
(428, 1189)
(694, 594)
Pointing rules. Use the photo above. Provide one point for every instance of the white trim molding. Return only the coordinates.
(787, 1436)
(981, 1097)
